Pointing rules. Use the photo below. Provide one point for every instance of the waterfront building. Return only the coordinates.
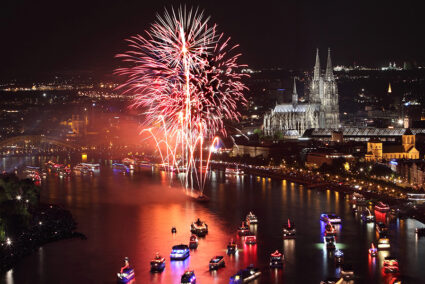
(377, 151)
(321, 110)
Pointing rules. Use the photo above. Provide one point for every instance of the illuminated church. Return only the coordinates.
(321, 110)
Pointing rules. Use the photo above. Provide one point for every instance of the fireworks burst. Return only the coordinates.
(185, 76)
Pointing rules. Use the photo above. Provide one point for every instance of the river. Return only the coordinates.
(132, 214)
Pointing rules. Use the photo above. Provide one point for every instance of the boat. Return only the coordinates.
(245, 275)
(384, 243)
(373, 251)
(330, 230)
(243, 230)
(347, 273)
(188, 277)
(367, 216)
(324, 217)
(251, 219)
(381, 228)
(250, 240)
(179, 252)
(382, 207)
(120, 167)
(199, 228)
(358, 198)
(276, 260)
(233, 171)
(193, 242)
(339, 256)
(217, 262)
(126, 276)
(332, 280)
(289, 231)
(391, 265)
(158, 263)
(334, 219)
(329, 242)
(232, 247)
(173, 230)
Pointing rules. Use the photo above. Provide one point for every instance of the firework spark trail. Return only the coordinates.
(185, 76)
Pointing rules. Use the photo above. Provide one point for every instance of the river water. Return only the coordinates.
(132, 214)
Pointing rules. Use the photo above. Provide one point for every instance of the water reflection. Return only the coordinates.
(132, 215)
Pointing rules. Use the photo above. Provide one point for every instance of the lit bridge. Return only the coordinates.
(37, 140)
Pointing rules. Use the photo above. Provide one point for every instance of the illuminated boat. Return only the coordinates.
(120, 167)
(251, 219)
(373, 251)
(384, 243)
(276, 260)
(158, 263)
(199, 228)
(391, 265)
(367, 216)
(193, 242)
(334, 219)
(339, 256)
(245, 275)
(358, 199)
(126, 276)
(243, 230)
(188, 277)
(330, 230)
(232, 247)
(180, 252)
(250, 240)
(216, 263)
(332, 280)
(347, 273)
(289, 231)
(231, 171)
(329, 242)
(324, 217)
(382, 207)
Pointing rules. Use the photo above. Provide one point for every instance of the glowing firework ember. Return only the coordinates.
(185, 75)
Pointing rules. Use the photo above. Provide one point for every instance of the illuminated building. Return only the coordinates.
(322, 110)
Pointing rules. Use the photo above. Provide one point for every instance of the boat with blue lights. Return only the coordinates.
(339, 256)
(188, 277)
(373, 251)
(180, 252)
(245, 275)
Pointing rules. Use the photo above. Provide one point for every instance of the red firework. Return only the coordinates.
(184, 73)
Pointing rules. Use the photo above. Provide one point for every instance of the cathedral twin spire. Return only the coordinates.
(329, 75)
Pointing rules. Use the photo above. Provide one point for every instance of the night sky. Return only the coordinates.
(54, 36)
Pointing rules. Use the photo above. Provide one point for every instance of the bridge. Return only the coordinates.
(36, 140)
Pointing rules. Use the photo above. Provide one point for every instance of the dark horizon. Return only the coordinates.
(51, 37)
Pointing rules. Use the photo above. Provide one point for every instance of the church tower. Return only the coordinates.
(295, 95)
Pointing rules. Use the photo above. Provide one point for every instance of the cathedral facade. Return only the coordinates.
(321, 110)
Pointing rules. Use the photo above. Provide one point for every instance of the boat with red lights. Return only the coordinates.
(391, 265)
(276, 260)
(193, 242)
(330, 230)
(243, 230)
(199, 228)
(250, 240)
(232, 247)
(289, 231)
(158, 263)
(373, 251)
(382, 207)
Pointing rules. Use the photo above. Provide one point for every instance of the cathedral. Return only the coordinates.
(321, 110)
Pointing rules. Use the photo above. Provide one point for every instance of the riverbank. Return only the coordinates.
(50, 223)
